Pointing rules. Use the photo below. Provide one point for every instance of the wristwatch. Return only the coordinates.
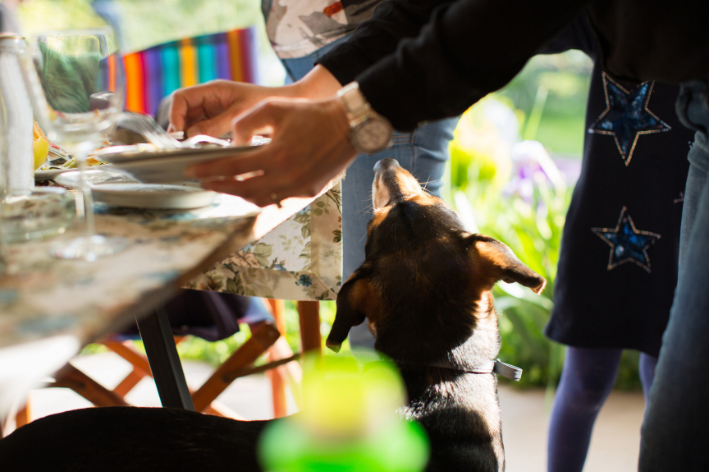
(370, 132)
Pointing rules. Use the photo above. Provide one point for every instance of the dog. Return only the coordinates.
(424, 291)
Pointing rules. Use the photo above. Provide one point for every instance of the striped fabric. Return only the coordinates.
(154, 73)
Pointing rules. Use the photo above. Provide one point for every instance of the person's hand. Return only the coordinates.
(209, 108)
(309, 147)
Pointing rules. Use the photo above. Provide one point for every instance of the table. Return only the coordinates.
(61, 305)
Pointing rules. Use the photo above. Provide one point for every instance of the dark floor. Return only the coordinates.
(614, 446)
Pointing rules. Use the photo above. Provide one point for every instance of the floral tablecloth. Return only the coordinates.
(298, 259)
(301, 259)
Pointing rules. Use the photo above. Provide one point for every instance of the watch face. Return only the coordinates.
(372, 136)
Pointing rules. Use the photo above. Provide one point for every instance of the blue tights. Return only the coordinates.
(586, 381)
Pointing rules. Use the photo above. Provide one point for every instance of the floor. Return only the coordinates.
(614, 446)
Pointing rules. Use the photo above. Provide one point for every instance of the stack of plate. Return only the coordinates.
(117, 188)
(166, 165)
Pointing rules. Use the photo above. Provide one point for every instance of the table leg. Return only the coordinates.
(309, 314)
(164, 361)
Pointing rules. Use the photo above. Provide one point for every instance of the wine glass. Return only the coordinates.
(77, 99)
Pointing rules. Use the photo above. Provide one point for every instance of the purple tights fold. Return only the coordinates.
(586, 381)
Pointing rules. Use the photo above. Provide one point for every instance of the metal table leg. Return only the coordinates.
(164, 361)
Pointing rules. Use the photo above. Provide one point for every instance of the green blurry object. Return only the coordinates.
(349, 422)
(68, 80)
(402, 447)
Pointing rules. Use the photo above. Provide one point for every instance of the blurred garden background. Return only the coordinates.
(514, 161)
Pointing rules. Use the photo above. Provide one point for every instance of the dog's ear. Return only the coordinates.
(352, 303)
(500, 263)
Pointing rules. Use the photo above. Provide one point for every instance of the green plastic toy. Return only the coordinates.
(349, 422)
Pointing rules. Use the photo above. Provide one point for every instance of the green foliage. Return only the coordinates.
(566, 79)
(145, 24)
(44, 15)
(533, 231)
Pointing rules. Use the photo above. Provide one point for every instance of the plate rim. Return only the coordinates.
(198, 154)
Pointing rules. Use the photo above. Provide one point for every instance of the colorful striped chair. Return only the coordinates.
(154, 73)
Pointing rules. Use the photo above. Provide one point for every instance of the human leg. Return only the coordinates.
(646, 367)
(586, 381)
(674, 431)
(423, 152)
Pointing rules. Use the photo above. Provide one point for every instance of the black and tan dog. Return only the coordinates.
(424, 291)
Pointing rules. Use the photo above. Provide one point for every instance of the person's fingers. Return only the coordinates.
(257, 120)
(193, 103)
(309, 147)
(217, 126)
(265, 190)
(239, 164)
(250, 188)
(183, 101)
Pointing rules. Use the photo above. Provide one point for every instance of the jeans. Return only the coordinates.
(674, 433)
(423, 153)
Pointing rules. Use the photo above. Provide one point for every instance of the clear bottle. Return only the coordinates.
(3, 183)
(18, 113)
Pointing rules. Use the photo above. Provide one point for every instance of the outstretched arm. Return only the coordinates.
(210, 108)
(467, 49)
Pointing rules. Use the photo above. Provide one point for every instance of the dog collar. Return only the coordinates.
(491, 367)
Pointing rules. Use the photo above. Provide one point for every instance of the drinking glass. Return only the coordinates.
(3, 182)
(77, 100)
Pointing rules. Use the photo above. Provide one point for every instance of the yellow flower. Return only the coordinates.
(40, 146)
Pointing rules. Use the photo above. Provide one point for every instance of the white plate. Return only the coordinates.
(41, 175)
(119, 189)
(157, 196)
(166, 165)
(94, 177)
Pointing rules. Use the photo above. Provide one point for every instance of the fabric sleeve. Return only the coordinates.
(466, 50)
(392, 21)
(576, 35)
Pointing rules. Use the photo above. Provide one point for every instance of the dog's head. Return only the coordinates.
(425, 280)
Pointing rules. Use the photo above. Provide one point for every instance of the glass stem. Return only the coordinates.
(89, 228)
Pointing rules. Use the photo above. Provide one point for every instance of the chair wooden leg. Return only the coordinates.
(128, 383)
(129, 353)
(261, 339)
(218, 409)
(278, 310)
(291, 373)
(309, 315)
(24, 414)
(141, 366)
(278, 384)
(71, 377)
(278, 393)
(23, 417)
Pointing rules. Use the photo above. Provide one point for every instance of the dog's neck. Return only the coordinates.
(450, 399)
(475, 352)
(484, 343)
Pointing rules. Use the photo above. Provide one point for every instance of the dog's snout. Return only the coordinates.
(385, 164)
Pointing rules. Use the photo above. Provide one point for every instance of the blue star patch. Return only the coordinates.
(626, 116)
(627, 243)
